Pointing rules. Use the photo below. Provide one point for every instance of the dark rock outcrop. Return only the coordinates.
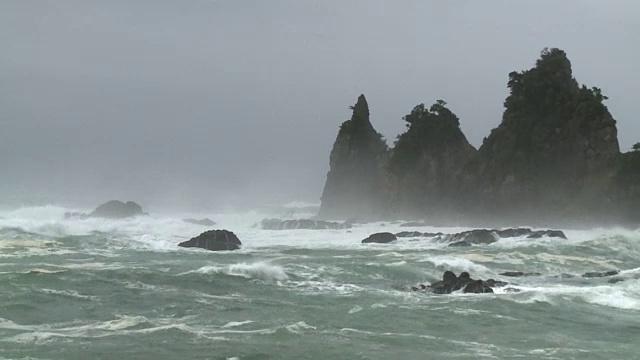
(115, 209)
(355, 185)
(472, 237)
(450, 283)
(278, 224)
(477, 287)
(531, 234)
(513, 232)
(203, 222)
(380, 238)
(214, 240)
(485, 237)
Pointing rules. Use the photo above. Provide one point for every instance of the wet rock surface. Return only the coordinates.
(214, 240)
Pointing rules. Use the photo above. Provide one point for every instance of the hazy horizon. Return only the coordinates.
(207, 104)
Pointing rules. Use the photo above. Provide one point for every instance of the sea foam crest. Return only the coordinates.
(258, 270)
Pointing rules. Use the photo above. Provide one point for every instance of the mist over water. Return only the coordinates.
(94, 288)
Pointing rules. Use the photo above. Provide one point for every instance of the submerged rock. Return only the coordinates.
(278, 224)
(203, 222)
(380, 238)
(115, 209)
(600, 274)
(548, 233)
(214, 240)
(519, 274)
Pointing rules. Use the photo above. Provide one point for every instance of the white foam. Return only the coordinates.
(457, 264)
(258, 270)
(299, 327)
(124, 322)
(236, 323)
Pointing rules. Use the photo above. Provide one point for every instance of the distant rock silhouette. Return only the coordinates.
(115, 209)
(203, 222)
(214, 240)
(380, 238)
(278, 224)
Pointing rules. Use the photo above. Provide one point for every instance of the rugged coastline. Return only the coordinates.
(554, 160)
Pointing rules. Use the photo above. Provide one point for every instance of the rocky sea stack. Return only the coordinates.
(554, 159)
(355, 182)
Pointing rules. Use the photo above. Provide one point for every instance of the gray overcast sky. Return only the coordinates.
(205, 103)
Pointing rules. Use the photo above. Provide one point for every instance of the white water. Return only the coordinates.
(32, 231)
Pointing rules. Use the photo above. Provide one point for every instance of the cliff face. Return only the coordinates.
(555, 149)
(355, 182)
(428, 167)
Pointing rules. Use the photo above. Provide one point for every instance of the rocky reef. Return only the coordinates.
(468, 238)
(450, 283)
(299, 224)
(554, 159)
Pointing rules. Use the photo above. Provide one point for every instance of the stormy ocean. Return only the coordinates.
(122, 289)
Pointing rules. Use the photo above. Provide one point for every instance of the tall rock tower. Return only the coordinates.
(355, 182)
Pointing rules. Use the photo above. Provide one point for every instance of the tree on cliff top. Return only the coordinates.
(358, 132)
(429, 130)
(636, 147)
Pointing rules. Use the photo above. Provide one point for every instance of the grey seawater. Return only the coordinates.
(106, 290)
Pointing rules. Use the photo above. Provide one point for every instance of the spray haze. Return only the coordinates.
(211, 104)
